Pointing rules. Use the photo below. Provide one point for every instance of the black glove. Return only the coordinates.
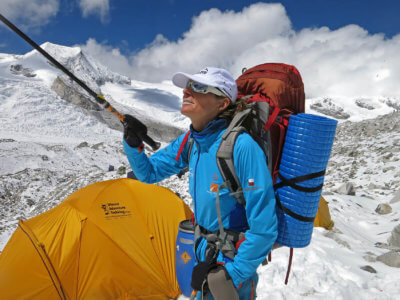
(134, 131)
(199, 275)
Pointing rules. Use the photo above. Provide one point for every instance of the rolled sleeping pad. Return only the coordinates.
(308, 144)
(184, 256)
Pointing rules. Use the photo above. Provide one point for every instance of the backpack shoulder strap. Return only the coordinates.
(225, 155)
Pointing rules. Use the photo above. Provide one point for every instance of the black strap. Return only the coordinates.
(292, 182)
(233, 235)
(292, 213)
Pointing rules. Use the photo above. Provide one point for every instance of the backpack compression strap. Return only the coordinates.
(292, 182)
(225, 155)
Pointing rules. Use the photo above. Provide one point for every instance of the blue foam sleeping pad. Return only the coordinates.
(307, 148)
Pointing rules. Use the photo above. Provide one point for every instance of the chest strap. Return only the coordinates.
(225, 243)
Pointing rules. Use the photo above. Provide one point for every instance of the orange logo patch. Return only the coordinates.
(214, 187)
(185, 257)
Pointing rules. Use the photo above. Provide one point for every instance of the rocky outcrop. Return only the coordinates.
(68, 93)
(346, 189)
(328, 108)
(20, 70)
(391, 259)
(71, 93)
(396, 197)
(394, 240)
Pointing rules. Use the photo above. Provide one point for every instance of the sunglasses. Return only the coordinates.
(204, 89)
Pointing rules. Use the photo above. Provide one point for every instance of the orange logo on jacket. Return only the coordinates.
(214, 187)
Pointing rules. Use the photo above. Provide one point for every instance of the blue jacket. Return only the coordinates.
(258, 219)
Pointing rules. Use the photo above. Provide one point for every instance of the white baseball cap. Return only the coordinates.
(215, 77)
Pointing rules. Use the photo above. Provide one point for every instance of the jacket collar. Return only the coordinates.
(209, 134)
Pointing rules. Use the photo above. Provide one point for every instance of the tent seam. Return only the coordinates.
(48, 271)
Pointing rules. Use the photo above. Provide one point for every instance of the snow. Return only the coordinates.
(50, 148)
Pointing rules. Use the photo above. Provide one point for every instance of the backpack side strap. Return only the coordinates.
(226, 165)
(225, 154)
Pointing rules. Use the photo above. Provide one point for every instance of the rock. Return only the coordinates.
(72, 95)
(19, 70)
(131, 175)
(7, 140)
(45, 157)
(372, 186)
(121, 170)
(329, 108)
(98, 146)
(391, 168)
(394, 240)
(346, 189)
(383, 209)
(396, 197)
(110, 168)
(364, 104)
(30, 202)
(368, 269)
(391, 259)
(370, 257)
(328, 193)
(82, 145)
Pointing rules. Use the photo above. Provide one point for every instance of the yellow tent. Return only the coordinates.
(323, 217)
(110, 240)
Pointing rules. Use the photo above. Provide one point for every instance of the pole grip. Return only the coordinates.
(149, 141)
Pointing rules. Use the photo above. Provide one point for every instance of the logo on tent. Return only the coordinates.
(185, 257)
(115, 209)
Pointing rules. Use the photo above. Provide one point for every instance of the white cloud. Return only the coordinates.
(348, 61)
(100, 8)
(30, 13)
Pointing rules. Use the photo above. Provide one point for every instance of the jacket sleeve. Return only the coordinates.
(161, 164)
(253, 173)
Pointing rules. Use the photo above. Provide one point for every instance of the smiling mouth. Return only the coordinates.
(186, 101)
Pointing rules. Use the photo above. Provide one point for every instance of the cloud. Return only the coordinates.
(100, 8)
(348, 61)
(30, 13)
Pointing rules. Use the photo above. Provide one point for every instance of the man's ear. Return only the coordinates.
(225, 104)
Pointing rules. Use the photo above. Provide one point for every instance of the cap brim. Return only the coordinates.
(181, 79)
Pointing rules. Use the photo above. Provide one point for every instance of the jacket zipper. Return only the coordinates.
(195, 180)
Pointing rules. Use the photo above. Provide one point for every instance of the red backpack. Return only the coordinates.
(274, 91)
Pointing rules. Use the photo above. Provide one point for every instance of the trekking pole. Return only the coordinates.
(98, 97)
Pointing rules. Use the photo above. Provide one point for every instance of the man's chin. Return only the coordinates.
(185, 110)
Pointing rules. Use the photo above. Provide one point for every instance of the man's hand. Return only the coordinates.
(134, 131)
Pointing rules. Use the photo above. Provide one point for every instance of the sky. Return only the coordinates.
(340, 47)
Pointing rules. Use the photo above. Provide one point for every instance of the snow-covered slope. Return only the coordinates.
(50, 148)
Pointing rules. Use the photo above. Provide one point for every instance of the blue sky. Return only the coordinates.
(341, 47)
(130, 25)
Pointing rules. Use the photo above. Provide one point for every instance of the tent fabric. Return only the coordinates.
(323, 217)
(110, 240)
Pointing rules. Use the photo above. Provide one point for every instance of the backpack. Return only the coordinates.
(274, 92)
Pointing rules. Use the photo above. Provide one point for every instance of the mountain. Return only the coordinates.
(55, 140)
